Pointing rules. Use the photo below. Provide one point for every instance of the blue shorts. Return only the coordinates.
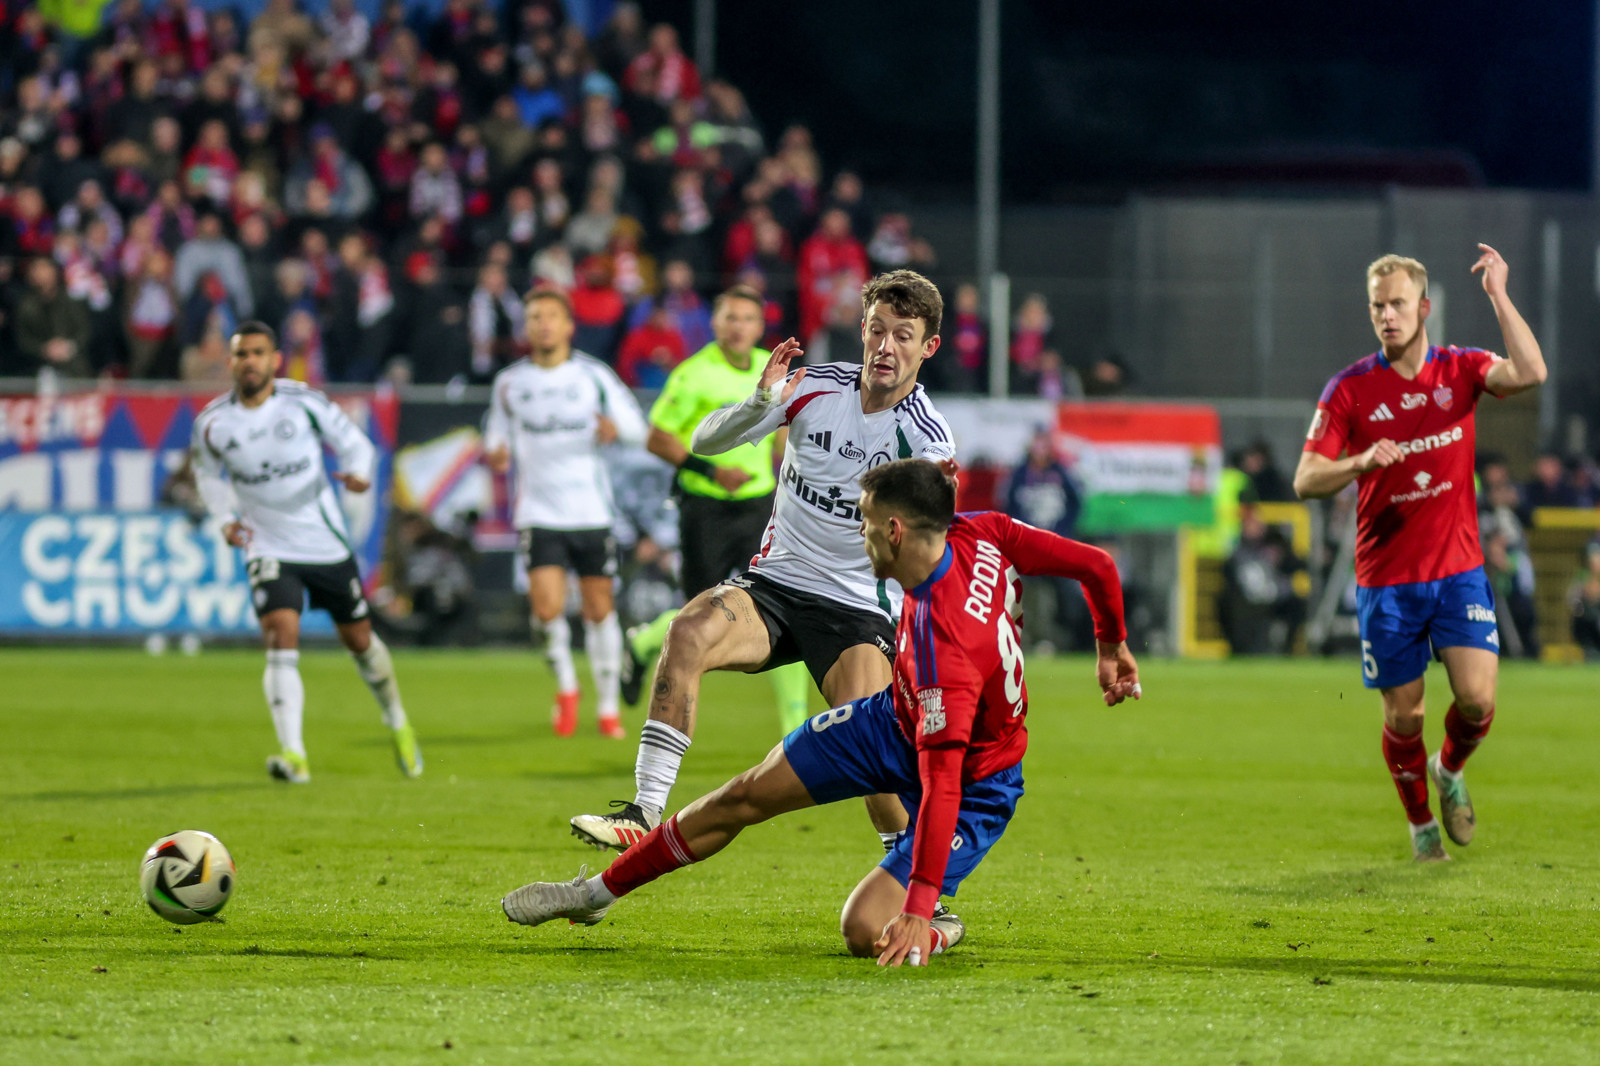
(858, 750)
(1403, 625)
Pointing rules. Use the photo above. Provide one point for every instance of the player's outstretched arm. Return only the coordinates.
(761, 414)
(1317, 476)
(1524, 367)
(1117, 672)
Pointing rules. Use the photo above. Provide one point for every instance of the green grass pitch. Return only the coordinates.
(1218, 874)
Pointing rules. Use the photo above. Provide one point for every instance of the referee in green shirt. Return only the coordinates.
(723, 508)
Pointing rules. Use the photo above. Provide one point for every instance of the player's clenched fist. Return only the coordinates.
(236, 534)
(1384, 453)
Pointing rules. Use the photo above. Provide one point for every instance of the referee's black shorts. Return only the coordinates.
(718, 538)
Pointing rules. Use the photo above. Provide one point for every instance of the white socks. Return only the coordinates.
(599, 894)
(603, 641)
(558, 650)
(661, 750)
(286, 698)
(377, 670)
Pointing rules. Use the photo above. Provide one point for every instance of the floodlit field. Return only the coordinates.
(1218, 874)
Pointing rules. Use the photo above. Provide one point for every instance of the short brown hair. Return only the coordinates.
(916, 490)
(909, 295)
(549, 292)
(739, 292)
(1383, 266)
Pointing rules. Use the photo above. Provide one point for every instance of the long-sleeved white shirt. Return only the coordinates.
(813, 540)
(263, 466)
(547, 416)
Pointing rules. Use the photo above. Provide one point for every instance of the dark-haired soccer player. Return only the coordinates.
(1403, 421)
(258, 467)
(809, 594)
(549, 415)
(947, 735)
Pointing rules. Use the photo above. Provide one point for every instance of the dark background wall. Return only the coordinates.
(1099, 98)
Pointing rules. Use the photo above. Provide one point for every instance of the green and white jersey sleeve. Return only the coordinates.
(263, 465)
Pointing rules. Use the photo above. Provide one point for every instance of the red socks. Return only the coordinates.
(662, 851)
(1407, 759)
(1461, 738)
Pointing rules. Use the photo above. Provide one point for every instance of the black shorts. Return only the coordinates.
(718, 538)
(589, 552)
(334, 587)
(805, 627)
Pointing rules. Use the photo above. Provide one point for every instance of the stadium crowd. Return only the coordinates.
(382, 191)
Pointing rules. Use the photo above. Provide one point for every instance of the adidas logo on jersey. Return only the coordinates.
(822, 440)
(1382, 414)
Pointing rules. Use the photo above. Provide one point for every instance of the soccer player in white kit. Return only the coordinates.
(549, 415)
(809, 594)
(258, 467)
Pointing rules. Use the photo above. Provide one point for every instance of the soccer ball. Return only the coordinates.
(187, 877)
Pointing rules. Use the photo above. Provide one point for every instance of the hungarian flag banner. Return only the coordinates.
(1143, 466)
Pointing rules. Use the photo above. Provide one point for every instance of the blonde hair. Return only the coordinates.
(1383, 266)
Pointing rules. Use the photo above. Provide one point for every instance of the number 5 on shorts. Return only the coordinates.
(1369, 665)
(832, 717)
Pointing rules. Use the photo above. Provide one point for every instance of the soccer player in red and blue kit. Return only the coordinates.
(947, 735)
(1400, 424)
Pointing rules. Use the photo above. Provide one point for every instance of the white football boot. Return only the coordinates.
(542, 901)
(621, 830)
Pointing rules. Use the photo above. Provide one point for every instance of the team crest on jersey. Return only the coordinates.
(1422, 479)
(284, 429)
(1444, 396)
(878, 459)
(1319, 425)
(1410, 401)
(932, 701)
(849, 450)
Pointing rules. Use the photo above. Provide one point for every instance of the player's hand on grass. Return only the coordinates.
(777, 369)
(1494, 269)
(1384, 453)
(731, 478)
(237, 534)
(352, 482)
(605, 430)
(498, 460)
(1117, 673)
(906, 941)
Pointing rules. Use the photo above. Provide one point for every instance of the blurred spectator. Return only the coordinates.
(686, 310)
(495, 323)
(597, 308)
(509, 139)
(849, 195)
(1106, 374)
(894, 248)
(622, 40)
(1032, 334)
(303, 355)
(210, 166)
(832, 269)
(150, 317)
(85, 280)
(90, 205)
(965, 366)
(348, 189)
(536, 101)
(210, 252)
(1043, 494)
(64, 170)
(52, 328)
(1267, 483)
(1584, 477)
(175, 220)
(1506, 560)
(433, 323)
(32, 231)
(686, 140)
(435, 591)
(1583, 596)
(361, 313)
(1260, 609)
(590, 229)
(662, 71)
(1549, 487)
(206, 361)
(345, 30)
(650, 351)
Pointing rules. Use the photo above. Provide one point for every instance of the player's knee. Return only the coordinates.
(1475, 706)
(859, 937)
(688, 641)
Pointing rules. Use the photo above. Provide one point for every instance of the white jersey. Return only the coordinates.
(263, 466)
(547, 416)
(813, 540)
